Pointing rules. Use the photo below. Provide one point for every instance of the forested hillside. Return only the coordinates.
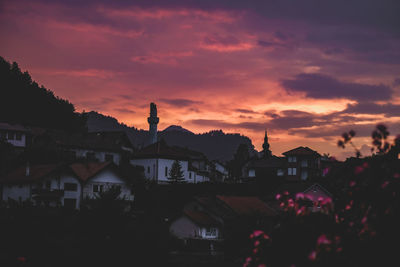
(23, 101)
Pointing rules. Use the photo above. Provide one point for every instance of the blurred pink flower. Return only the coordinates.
(322, 239)
(312, 256)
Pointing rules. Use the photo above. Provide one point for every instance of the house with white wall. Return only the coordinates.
(14, 134)
(97, 177)
(56, 185)
(157, 160)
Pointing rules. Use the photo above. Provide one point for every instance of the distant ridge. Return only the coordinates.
(216, 144)
(176, 128)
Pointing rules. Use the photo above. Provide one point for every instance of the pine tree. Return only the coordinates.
(176, 173)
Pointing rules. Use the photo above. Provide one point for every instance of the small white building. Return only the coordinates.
(157, 160)
(196, 225)
(14, 134)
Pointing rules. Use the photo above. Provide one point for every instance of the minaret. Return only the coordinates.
(153, 121)
(266, 150)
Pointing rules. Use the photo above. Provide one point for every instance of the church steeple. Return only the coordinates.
(266, 151)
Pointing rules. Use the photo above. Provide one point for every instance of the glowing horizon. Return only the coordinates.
(304, 76)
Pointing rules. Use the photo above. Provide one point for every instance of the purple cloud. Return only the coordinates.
(325, 87)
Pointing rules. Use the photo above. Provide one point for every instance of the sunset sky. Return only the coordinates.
(304, 70)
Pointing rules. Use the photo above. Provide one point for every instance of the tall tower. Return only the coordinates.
(153, 121)
(266, 150)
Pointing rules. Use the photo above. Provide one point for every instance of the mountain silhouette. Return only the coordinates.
(216, 144)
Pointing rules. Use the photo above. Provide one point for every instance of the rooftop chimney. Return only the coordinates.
(28, 169)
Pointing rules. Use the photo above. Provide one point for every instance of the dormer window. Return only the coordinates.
(292, 159)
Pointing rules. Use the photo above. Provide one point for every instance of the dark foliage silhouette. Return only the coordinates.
(23, 101)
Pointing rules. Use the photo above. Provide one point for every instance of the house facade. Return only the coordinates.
(62, 185)
(15, 134)
(157, 160)
(302, 163)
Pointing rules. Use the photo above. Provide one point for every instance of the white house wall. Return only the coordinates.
(107, 178)
(184, 228)
(149, 166)
(17, 192)
(162, 163)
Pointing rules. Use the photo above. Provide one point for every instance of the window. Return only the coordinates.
(97, 188)
(190, 175)
(280, 172)
(304, 163)
(166, 171)
(292, 159)
(70, 187)
(18, 136)
(109, 157)
(211, 232)
(148, 169)
(292, 171)
(70, 203)
(10, 135)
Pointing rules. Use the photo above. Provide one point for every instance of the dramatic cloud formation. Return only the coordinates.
(306, 70)
(322, 86)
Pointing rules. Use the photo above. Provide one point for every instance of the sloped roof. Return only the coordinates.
(272, 162)
(85, 171)
(301, 187)
(247, 206)
(13, 127)
(36, 173)
(200, 218)
(162, 150)
(108, 141)
(301, 151)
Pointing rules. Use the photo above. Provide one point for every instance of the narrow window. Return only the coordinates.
(166, 171)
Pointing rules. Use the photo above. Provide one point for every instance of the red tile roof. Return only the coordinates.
(36, 173)
(247, 206)
(301, 151)
(85, 171)
(201, 218)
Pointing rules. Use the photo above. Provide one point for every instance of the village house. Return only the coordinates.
(206, 221)
(302, 163)
(64, 185)
(15, 134)
(157, 160)
(95, 146)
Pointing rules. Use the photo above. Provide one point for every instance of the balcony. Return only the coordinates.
(47, 194)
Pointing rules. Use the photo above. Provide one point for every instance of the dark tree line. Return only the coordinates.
(23, 101)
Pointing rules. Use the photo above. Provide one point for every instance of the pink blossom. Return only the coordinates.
(299, 195)
(325, 171)
(352, 183)
(358, 169)
(348, 207)
(256, 243)
(257, 233)
(385, 184)
(396, 175)
(322, 239)
(339, 249)
(364, 220)
(312, 256)
(278, 196)
(365, 165)
(286, 193)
